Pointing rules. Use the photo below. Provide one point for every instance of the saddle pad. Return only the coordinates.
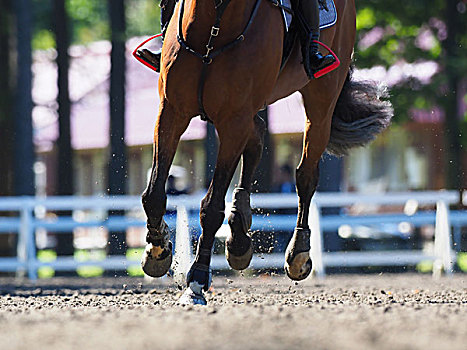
(326, 18)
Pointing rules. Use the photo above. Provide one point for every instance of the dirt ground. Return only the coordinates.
(340, 312)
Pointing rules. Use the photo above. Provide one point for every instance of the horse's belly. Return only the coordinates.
(292, 77)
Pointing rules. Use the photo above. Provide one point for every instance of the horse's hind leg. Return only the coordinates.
(238, 246)
(157, 257)
(233, 136)
(319, 106)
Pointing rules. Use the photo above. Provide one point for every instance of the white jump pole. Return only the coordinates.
(316, 240)
(443, 258)
(183, 250)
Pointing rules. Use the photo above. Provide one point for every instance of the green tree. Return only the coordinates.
(90, 21)
(415, 31)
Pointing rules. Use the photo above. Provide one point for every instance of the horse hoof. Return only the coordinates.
(297, 255)
(299, 267)
(156, 260)
(239, 262)
(193, 295)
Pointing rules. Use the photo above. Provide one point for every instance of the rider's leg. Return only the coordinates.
(313, 60)
(167, 10)
(154, 58)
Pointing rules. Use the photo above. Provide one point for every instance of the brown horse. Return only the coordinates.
(238, 82)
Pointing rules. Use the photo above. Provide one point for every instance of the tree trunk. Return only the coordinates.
(24, 148)
(117, 174)
(6, 116)
(64, 149)
(451, 105)
(7, 241)
(65, 152)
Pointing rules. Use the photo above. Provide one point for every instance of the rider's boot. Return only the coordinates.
(313, 60)
(154, 58)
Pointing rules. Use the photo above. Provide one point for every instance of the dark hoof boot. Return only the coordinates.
(157, 256)
(152, 58)
(198, 280)
(297, 256)
(238, 246)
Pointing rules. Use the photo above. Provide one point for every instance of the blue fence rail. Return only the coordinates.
(27, 219)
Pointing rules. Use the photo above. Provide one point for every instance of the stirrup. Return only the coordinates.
(151, 59)
(319, 73)
(140, 55)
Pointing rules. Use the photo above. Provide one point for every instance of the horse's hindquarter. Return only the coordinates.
(340, 38)
(240, 79)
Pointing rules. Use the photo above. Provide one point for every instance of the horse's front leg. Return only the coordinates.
(319, 109)
(157, 256)
(233, 136)
(239, 246)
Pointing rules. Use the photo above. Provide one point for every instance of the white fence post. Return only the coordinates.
(443, 259)
(22, 247)
(316, 240)
(183, 251)
(27, 247)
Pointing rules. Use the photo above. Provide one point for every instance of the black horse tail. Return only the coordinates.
(361, 113)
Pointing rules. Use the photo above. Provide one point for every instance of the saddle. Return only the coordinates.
(292, 24)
